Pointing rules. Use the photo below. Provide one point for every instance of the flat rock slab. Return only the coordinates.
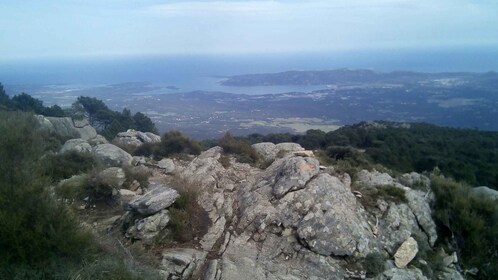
(158, 198)
(406, 253)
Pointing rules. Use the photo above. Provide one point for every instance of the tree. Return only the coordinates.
(144, 123)
(27, 103)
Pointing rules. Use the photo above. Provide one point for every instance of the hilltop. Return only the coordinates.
(158, 207)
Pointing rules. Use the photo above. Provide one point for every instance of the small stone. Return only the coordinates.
(406, 253)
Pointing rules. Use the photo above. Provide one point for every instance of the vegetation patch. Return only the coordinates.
(65, 165)
(241, 149)
(468, 223)
(187, 218)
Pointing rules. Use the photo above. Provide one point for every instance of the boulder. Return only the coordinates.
(486, 192)
(406, 253)
(269, 151)
(113, 177)
(156, 199)
(135, 138)
(325, 217)
(147, 228)
(67, 127)
(78, 145)
(293, 175)
(415, 180)
(182, 263)
(166, 164)
(112, 155)
(265, 150)
(374, 178)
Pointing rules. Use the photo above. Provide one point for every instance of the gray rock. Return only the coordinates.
(266, 150)
(135, 138)
(156, 199)
(294, 174)
(167, 164)
(486, 192)
(415, 180)
(111, 155)
(331, 226)
(147, 228)
(406, 253)
(66, 127)
(269, 151)
(374, 178)
(419, 204)
(97, 140)
(182, 263)
(113, 177)
(78, 145)
(402, 274)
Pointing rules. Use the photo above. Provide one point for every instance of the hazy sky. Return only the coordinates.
(43, 28)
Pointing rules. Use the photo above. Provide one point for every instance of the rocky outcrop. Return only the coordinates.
(156, 199)
(67, 127)
(149, 227)
(111, 155)
(133, 138)
(292, 220)
(182, 263)
(269, 151)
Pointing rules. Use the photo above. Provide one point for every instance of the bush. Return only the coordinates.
(187, 218)
(146, 150)
(138, 173)
(241, 149)
(469, 222)
(65, 165)
(35, 229)
(174, 142)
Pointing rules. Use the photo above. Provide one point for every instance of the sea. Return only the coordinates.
(187, 73)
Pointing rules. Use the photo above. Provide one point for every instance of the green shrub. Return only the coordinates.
(109, 267)
(65, 165)
(241, 149)
(470, 222)
(373, 264)
(138, 173)
(36, 230)
(225, 161)
(73, 187)
(393, 193)
(174, 142)
(187, 218)
(146, 150)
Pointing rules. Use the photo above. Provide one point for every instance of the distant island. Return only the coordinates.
(351, 76)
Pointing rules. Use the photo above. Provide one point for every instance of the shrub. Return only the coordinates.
(373, 264)
(109, 267)
(65, 165)
(187, 218)
(36, 229)
(393, 193)
(146, 150)
(469, 222)
(241, 149)
(174, 142)
(139, 173)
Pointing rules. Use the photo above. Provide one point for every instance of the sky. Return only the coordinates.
(71, 28)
